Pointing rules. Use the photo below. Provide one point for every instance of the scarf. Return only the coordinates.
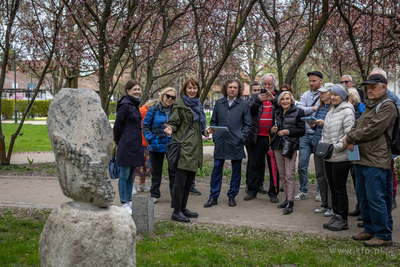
(198, 113)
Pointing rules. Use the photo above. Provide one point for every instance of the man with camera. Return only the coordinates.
(262, 109)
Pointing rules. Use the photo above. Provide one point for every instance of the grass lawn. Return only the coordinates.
(34, 139)
(196, 244)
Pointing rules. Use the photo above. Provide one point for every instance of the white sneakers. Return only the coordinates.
(143, 188)
(318, 197)
(134, 191)
(301, 196)
(128, 207)
(156, 199)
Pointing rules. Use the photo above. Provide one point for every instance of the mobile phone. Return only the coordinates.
(263, 91)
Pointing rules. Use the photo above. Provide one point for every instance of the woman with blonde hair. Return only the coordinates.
(285, 135)
(153, 130)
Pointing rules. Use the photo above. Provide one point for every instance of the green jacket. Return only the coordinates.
(191, 157)
(368, 133)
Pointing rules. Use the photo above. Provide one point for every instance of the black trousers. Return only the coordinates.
(157, 160)
(258, 152)
(337, 173)
(262, 170)
(182, 185)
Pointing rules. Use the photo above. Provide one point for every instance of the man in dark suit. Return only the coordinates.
(232, 112)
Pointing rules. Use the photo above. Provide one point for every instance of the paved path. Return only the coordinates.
(38, 192)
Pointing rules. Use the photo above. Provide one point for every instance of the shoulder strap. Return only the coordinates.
(378, 107)
(154, 113)
(190, 126)
(315, 101)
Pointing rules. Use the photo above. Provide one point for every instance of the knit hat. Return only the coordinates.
(340, 90)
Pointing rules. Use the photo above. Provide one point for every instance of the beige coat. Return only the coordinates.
(338, 123)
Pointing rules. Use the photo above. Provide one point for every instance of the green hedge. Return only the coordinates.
(38, 109)
(7, 108)
(112, 108)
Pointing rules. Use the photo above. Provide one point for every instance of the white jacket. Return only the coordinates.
(338, 123)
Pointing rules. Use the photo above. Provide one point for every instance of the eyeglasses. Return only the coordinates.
(170, 96)
(346, 82)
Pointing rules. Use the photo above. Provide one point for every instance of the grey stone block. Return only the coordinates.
(143, 213)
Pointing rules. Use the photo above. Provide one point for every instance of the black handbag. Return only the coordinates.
(174, 150)
(324, 150)
(287, 149)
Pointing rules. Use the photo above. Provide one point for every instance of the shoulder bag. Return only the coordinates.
(324, 150)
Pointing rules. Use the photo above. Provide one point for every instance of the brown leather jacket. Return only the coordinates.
(368, 133)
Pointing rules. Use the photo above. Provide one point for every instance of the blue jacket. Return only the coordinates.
(393, 97)
(359, 109)
(319, 114)
(153, 129)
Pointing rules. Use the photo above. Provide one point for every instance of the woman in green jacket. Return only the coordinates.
(187, 110)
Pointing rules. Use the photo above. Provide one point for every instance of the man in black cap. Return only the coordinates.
(309, 102)
(375, 162)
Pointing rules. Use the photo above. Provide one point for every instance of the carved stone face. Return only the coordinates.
(82, 141)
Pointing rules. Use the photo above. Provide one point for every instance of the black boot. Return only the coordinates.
(289, 207)
(356, 212)
(283, 205)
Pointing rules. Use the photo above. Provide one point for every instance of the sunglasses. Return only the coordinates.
(170, 96)
(346, 82)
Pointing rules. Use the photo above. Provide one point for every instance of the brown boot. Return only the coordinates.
(374, 242)
(363, 236)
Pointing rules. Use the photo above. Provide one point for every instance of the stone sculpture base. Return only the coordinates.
(81, 234)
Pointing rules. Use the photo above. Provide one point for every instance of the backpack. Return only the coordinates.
(394, 144)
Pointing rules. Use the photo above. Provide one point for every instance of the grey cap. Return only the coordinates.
(327, 87)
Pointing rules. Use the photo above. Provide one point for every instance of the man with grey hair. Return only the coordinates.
(262, 108)
(391, 95)
(348, 81)
(375, 163)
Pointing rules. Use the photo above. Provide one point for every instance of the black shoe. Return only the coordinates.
(332, 221)
(273, 199)
(180, 217)
(249, 197)
(281, 189)
(394, 204)
(190, 214)
(262, 190)
(283, 205)
(194, 191)
(289, 207)
(232, 202)
(356, 212)
(359, 218)
(339, 225)
(360, 225)
(211, 202)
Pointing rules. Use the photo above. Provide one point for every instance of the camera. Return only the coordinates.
(263, 91)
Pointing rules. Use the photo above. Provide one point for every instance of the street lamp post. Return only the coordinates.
(15, 89)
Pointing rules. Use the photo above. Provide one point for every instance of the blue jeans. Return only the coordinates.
(216, 178)
(371, 194)
(305, 151)
(125, 183)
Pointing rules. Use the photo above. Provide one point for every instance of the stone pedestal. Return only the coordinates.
(81, 234)
(143, 213)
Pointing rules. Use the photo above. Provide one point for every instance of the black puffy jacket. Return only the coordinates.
(290, 121)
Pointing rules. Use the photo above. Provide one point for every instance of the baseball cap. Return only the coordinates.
(374, 79)
(327, 87)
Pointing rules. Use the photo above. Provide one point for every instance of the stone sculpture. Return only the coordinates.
(87, 231)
